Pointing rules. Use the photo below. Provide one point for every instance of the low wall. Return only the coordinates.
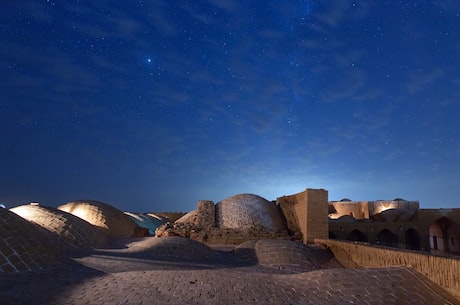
(444, 271)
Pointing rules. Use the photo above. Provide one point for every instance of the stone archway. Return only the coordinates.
(356, 235)
(445, 236)
(412, 239)
(387, 238)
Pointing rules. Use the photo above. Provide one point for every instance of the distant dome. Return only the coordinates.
(24, 246)
(113, 221)
(246, 211)
(73, 230)
(346, 218)
(148, 221)
(392, 215)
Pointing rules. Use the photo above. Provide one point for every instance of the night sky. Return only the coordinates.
(153, 105)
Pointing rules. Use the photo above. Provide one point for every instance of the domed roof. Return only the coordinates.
(170, 248)
(283, 254)
(392, 215)
(113, 221)
(24, 246)
(73, 230)
(149, 221)
(246, 211)
(345, 218)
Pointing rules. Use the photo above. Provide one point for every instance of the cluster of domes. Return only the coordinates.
(33, 236)
(72, 230)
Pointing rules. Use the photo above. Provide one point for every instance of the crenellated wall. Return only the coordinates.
(442, 270)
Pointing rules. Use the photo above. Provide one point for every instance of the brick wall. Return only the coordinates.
(317, 210)
(306, 213)
(442, 270)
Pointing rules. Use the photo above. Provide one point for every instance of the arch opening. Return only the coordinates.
(387, 238)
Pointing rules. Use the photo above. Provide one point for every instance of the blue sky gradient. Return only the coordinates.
(153, 105)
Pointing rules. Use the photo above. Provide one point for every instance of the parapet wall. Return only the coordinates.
(444, 271)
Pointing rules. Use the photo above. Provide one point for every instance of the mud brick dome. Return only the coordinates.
(113, 221)
(24, 246)
(246, 211)
(72, 230)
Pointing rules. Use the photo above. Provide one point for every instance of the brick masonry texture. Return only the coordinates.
(72, 230)
(444, 271)
(25, 246)
(246, 211)
(306, 214)
(142, 273)
(114, 222)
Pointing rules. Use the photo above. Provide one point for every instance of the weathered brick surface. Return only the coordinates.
(445, 271)
(306, 213)
(216, 236)
(113, 221)
(25, 246)
(71, 229)
(286, 255)
(119, 276)
(232, 221)
(246, 211)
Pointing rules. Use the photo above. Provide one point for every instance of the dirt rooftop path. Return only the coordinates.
(134, 274)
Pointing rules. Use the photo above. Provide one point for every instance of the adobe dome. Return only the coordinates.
(345, 218)
(246, 211)
(113, 221)
(149, 221)
(283, 254)
(393, 215)
(170, 248)
(24, 246)
(73, 230)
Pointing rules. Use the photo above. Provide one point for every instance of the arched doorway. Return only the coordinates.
(412, 239)
(387, 238)
(356, 235)
(445, 236)
(332, 235)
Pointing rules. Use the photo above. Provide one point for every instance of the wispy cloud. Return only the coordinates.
(419, 81)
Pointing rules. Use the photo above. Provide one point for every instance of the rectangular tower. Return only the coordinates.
(306, 214)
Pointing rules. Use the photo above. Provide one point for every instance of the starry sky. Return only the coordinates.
(153, 105)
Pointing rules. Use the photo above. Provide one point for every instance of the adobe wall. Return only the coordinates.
(444, 271)
(317, 210)
(371, 230)
(368, 209)
(217, 236)
(306, 214)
